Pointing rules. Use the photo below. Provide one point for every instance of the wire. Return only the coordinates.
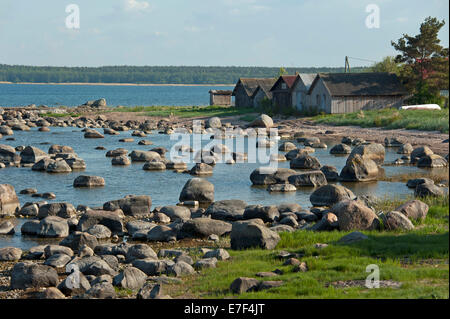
(367, 60)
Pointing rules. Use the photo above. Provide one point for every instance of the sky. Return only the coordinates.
(289, 33)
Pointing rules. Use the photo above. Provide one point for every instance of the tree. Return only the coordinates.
(424, 60)
(282, 72)
(388, 64)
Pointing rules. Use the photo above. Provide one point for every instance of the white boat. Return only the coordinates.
(421, 107)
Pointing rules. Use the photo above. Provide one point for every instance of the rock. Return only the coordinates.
(281, 188)
(330, 172)
(28, 191)
(6, 130)
(51, 250)
(100, 232)
(405, 149)
(246, 235)
(354, 215)
(10, 254)
(51, 293)
(154, 166)
(213, 122)
(63, 210)
(201, 169)
(152, 267)
(269, 285)
(290, 221)
(413, 183)
(205, 263)
(140, 251)
(176, 212)
(414, 209)
(77, 240)
(57, 149)
(53, 226)
(219, 254)
(9, 202)
(352, 238)
(328, 222)
(432, 161)
(131, 278)
(180, 268)
(74, 284)
(58, 167)
(308, 179)
(289, 208)
(110, 131)
(88, 181)
(6, 228)
(145, 156)
(359, 169)
(94, 265)
(130, 205)
(373, 151)
(267, 213)
(329, 195)
(30, 228)
(150, 290)
(31, 155)
(244, 284)
(110, 219)
(57, 261)
(270, 176)
(85, 251)
(135, 226)
(102, 290)
(396, 220)
(117, 152)
(282, 228)
(305, 162)
(93, 134)
(121, 160)
(341, 149)
(204, 227)
(424, 190)
(421, 151)
(30, 275)
(8, 154)
(263, 121)
(162, 233)
(287, 146)
(197, 189)
(229, 210)
(42, 165)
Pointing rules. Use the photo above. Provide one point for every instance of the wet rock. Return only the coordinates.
(229, 210)
(53, 227)
(145, 156)
(6, 228)
(341, 149)
(414, 209)
(30, 275)
(329, 195)
(10, 254)
(270, 176)
(88, 181)
(354, 215)
(308, 179)
(31, 155)
(131, 205)
(197, 189)
(246, 235)
(131, 278)
(9, 202)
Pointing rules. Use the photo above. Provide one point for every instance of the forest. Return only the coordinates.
(147, 74)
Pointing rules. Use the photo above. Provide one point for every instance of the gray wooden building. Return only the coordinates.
(220, 97)
(281, 91)
(246, 87)
(350, 92)
(300, 90)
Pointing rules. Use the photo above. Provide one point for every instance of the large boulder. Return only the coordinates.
(421, 151)
(271, 176)
(305, 162)
(428, 190)
(10, 254)
(359, 169)
(110, 219)
(52, 227)
(267, 213)
(213, 122)
(31, 155)
(375, 152)
(94, 266)
(201, 169)
(140, 251)
(58, 149)
(9, 202)
(229, 210)
(204, 227)
(131, 278)
(8, 154)
(6, 227)
(329, 195)
(250, 234)
(145, 156)
(58, 166)
(162, 233)
(130, 205)
(340, 149)
(432, 161)
(63, 210)
(43, 164)
(354, 215)
(77, 240)
(93, 134)
(88, 181)
(197, 189)
(263, 121)
(414, 209)
(176, 212)
(152, 267)
(308, 179)
(26, 275)
(396, 220)
(331, 173)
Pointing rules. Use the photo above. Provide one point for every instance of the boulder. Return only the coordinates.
(8, 154)
(352, 238)
(53, 226)
(213, 122)
(57, 149)
(154, 166)
(9, 202)
(219, 254)
(161, 233)
(58, 166)
(117, 152)
(31, 155)
(100, 232)
(51, 250)
(201, 169)
(281, 188)
(244, 284)
(122, 160)
(152, 267)
(10, 254)
(414, 209)
(421, 151)
(77, 240)
(267, 213)
(93, 134)
(94, 266)
(375, 152)
(63, 210)
(74, 284)
(131, 278)
(140, 251)
(176, 212)
(287, 147)
(406, 149)
(413, 183)
(270, 176)
(229, 210)
(135, 226)
(131, 205)
(51, 293)
(431, 190)
(330, 172)
(308, 179)
(145, 156)
(396, 220)
(88, 181)
(340, 149)
(30, 227)
(354, 215)
(359, 169)
(180, 268)
(305, 162)
(26, 275)
(432, 161)
(110, 219)
(197, 189)
(205, 263)
(263, 121)
(245, 235)
(57, 261)
(103, 290)
(204, 227)
(329, 195)
(6, 227)
(43, 164)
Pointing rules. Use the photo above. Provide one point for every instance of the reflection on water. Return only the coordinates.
(230, 181)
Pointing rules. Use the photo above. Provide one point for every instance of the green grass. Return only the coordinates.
(423, 120)
(186, 111)
(417, 259)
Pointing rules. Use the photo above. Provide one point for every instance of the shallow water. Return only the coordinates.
(230, 181)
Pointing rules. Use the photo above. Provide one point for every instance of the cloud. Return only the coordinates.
(134, 5)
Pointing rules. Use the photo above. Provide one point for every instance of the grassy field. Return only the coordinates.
(186, 111)
(417, 259)
(424, 120)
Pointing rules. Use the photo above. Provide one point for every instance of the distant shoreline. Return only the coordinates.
(114, 84)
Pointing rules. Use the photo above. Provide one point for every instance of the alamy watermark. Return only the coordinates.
(73, 19)
(373, 19)
(373, 280)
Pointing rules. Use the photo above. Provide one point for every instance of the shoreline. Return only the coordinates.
(113, 84)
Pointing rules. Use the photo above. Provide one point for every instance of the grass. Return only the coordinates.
(417, 259)
(423, 120)
(438, 176)
(186, 111)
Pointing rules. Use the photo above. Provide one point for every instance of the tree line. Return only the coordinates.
(148, 74)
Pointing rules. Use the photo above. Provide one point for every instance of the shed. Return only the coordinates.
(300, 90)
(281, 91)
(351, 92)
(220, 97)
(246, 87)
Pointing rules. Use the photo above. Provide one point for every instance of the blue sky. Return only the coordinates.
(207, 32)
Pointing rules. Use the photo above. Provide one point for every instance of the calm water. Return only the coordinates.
(129, 95)
(230, 181)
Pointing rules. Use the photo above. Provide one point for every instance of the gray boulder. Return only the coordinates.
(267, 213)
(354, 215)
(229, 210)
(26, 275)
(9, 202)
(246, 235)
(414, 209)
(131, 278)
(308, 179)
(197, 189)
(131, 205)
(204, 227)
(396, 220)
(329, 195)
(53, 227)
(10, 254)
